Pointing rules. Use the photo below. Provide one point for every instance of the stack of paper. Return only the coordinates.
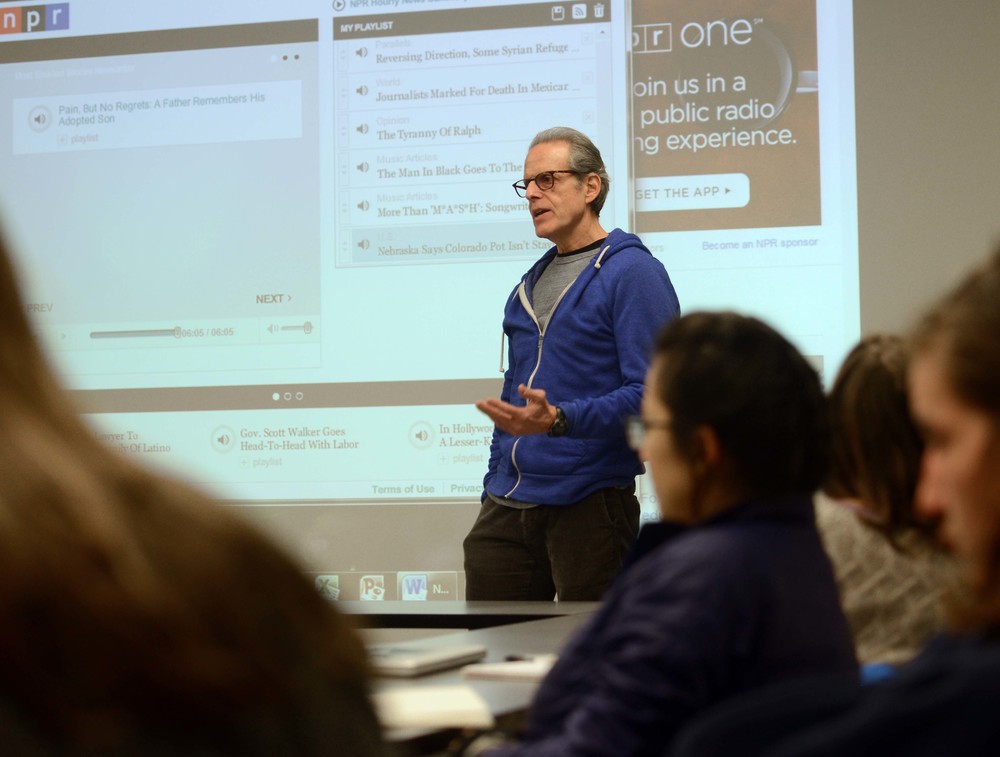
(432, 707)
(530, 669)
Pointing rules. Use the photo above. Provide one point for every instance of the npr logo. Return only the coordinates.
(34, 18)
(659, 38)
(652, 38)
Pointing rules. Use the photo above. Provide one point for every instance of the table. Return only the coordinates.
(507, 700)
(456, 614)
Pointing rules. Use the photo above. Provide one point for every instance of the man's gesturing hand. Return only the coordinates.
(534, 418)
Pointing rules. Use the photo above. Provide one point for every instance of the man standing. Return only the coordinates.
(559, 509)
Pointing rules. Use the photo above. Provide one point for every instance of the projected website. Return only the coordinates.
(270, 247)
(174, 204)
(743, 161)
(283, 242)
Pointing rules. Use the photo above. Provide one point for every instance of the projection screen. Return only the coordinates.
(267, 245)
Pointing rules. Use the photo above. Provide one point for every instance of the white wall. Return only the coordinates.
(928, 111)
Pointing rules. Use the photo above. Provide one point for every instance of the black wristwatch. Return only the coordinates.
(559, 426)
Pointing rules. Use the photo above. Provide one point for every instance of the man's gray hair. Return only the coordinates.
(584, 158)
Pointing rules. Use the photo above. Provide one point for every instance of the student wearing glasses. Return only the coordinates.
(559, 509)
(731, 590)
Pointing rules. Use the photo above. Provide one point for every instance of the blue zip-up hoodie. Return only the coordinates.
(591, 360)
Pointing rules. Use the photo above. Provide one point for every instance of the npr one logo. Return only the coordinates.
(659, 38)
(34, 18)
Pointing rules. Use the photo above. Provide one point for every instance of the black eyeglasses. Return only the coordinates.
(544, 181)
(636, 428)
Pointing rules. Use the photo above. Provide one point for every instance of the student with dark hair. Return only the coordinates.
(139, 617)
(890, 572)
(943, 701)
(732, 589)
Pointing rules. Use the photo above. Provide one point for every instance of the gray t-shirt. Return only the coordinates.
(561, 271)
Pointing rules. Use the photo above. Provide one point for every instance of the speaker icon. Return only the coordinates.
(361, 52)
(363, 205)
(223, 439)
(362, 90)
(363, 166)
(422, 435)
(362, 129)
(39, 118)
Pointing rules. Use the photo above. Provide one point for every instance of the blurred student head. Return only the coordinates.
(876, 446)
(137, 615)
(954, 383)
(732, 411)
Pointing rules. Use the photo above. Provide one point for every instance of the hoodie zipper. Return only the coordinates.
(522, 293)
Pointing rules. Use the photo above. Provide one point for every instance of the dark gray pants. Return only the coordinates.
(571, 551)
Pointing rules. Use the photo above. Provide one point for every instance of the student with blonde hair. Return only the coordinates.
(137, 616)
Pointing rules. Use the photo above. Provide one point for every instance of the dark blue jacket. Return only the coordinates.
(943, 702)
(591, 360)
(700, 614)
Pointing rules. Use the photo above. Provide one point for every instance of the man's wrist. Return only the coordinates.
(560, 426)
